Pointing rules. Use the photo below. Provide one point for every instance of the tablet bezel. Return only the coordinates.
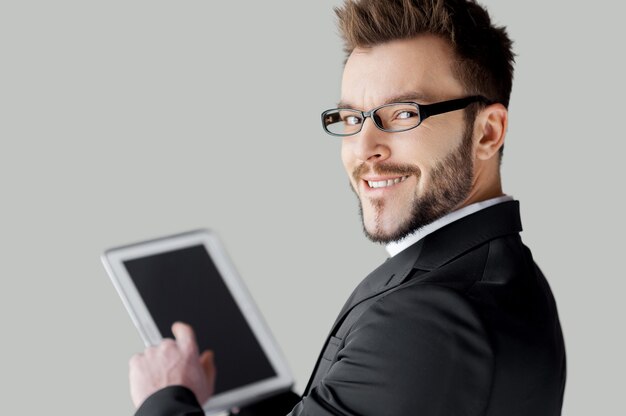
(113, 260)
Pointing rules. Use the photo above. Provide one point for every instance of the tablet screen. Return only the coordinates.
(184, 285)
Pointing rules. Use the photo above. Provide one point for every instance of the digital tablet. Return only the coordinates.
(188, 277)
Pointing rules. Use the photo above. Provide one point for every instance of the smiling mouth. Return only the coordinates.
(384, 184)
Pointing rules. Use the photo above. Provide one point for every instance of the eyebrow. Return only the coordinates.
(416, 96)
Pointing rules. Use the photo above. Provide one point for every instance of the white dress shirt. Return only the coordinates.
(395, 247)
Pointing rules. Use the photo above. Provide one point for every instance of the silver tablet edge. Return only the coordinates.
(284, 379)
(122, 294)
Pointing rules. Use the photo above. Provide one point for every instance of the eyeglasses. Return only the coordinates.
(392, 118)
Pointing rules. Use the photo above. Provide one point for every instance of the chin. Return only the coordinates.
(379, 231)
(381, 236)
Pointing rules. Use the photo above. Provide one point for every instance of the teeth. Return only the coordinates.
(384, 184)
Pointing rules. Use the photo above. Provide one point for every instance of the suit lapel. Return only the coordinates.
(388, 275)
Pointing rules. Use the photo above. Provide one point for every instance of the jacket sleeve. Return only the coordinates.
(180, 401)
(171, 401)
(421, 350)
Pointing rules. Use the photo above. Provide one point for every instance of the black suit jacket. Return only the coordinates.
(461, 323)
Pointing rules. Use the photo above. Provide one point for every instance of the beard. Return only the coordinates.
(451, 183)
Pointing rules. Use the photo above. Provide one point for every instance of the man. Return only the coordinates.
(459, 321)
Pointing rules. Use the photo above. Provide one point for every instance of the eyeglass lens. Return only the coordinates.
(391, 117)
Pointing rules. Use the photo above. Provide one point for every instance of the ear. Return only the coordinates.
(489, 131)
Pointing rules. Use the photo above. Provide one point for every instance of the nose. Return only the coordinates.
(371, 144)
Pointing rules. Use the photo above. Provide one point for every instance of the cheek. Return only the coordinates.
(347, 161)
(432, 145)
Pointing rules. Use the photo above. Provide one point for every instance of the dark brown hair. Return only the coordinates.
(484, 51)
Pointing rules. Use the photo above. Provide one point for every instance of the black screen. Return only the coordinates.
(184, 285)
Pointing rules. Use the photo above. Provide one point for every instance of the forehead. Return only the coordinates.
(419, 67)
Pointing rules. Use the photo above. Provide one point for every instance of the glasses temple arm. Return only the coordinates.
(427, 110)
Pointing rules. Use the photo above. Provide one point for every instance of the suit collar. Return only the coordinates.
(456, 238)
(396, 247)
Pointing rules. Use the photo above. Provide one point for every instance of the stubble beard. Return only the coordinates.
(451, 183)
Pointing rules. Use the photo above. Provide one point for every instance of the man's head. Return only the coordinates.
(483, 58)
(424, 51)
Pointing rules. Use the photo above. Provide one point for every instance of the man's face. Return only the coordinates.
(428, 171)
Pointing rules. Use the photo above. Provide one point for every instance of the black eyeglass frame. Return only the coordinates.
(423, 110)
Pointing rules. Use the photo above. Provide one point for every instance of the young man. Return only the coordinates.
(459, 321)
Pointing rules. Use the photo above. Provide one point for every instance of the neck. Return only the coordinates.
(485, 186)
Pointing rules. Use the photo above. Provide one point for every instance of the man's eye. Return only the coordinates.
(403, 115)
(352, 120)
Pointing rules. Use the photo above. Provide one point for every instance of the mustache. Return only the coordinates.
(385, 169)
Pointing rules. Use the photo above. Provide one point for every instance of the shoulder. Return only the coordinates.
(420, 348)
(428, 320)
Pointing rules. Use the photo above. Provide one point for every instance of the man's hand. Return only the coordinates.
(172, 362)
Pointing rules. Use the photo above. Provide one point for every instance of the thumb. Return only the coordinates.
(208, 363)
(208, 366)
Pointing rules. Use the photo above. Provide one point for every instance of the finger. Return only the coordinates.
(185, 337)
(135, 360)
(150, 351)
(167, 343)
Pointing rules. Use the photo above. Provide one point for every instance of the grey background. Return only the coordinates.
(126, 120)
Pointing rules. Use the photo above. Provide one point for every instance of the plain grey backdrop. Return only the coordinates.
(127, 120)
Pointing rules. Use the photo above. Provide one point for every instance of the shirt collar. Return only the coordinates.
(396, 247)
